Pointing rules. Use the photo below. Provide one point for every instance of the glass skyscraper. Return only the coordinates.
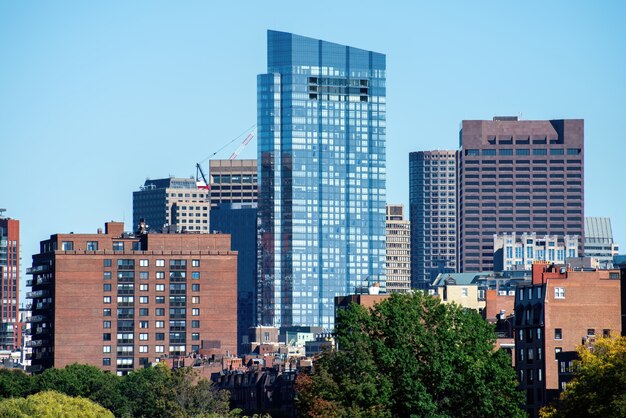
(321, 153)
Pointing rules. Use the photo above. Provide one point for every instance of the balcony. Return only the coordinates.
(38, 318)
(38, 269)
(36, 343)
(29, 282)
(37, 294)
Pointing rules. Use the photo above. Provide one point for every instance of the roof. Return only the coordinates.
(460, 278)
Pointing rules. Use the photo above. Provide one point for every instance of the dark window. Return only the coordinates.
(558, 334)
(106, 361)
(107, 262)
(106, 336)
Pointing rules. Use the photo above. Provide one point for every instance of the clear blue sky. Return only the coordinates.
(97, 96)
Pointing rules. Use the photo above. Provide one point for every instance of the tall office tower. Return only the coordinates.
(172, 204)
(432, 200)
(121, 301)
(240, 220)
(10, 280)
(233, 181)
(519, 251)
(599, 240)
(518, 176)
(398, 250)
(321, 146)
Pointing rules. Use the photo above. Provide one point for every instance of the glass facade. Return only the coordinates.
(321, 153)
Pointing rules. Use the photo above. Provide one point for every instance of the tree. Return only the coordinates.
(599, 385)
(14, 383)
(50, 404)
(87, 382)
(411, 355)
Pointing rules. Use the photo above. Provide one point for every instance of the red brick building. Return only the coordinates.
(559, 311)
(9, 282)
(121, 301)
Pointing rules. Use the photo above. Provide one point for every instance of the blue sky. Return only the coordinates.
(97, 96)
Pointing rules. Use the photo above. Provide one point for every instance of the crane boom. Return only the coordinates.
(199, 173)
(245, 142)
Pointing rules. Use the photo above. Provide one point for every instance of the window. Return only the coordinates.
(143, 263)
(195, 336)
(106, 287)
(538, 333)
(195, 287)
(159, 336)
(591, 332)
(143, 337)
(107, 275)
(106, 324)
(159, 311)
(118, 246)
(67, 245)
(92, 245)
(143, 324)
(143, 287)
(106, 336)
(160, 348)
(143, 275)
(195, 299)
(160, 324)
(106, 312)
(195, 312)
(195, 324)
(159, 299)
(538, 293)
(143, 299)
(606, 333)
(107, 262)
(559, 293)
(160, 263)
(144, 312)
(160, 275)
(195, 275)
(464, 291)
(106, 299)
(106, 361)
(143, 348)
(195, 263)
(160, 287)
(106, 349)
(558, 334)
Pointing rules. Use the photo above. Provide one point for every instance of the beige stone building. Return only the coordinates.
(398, 250)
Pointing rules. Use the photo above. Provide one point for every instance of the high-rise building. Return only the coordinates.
(398, 250)
(233, 181)
(10, 281)
(240, 221)
(519, 251)
(518, 176)
(321, 150)
(120, 301)
(432, 199)
(555, 314)
(599, 240)
(172, 204)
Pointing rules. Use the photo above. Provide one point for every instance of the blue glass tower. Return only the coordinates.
(321, 153)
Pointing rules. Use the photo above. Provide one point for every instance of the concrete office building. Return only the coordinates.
(519, 252)
(137, 298)
(240, 221)
(560, 310)
(518, 176)
(433, 205)
(233, 181)
(599, 240)
(398, 250)
(10, 281)
(321, 150)
(172, 204)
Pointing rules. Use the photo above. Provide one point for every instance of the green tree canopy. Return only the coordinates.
(50, 404)
(14, 383)
(411, 355)
(599, 385)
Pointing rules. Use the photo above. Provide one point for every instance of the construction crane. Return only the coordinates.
(201, 180)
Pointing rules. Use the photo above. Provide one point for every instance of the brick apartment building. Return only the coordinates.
(9, 282)
(559, 311)
(121, 301)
